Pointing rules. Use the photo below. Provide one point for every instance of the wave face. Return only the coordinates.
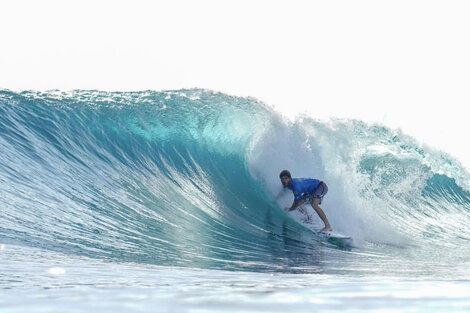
(190, 178)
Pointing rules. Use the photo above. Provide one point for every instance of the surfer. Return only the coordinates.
(306, 190)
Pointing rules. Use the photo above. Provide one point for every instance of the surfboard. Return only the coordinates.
(309, 219)
(335, 238)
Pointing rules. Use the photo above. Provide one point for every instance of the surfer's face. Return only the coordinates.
(285, 180)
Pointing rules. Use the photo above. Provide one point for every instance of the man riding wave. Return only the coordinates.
(306, 190)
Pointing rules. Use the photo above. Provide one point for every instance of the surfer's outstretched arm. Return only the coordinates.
(295, 205)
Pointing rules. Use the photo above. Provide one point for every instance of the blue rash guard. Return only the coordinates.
(302, 186)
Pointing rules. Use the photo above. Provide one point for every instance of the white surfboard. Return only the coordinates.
(332, 234)
(308, 218)
(336, 238)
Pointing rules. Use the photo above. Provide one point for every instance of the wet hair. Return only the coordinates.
(285, 173)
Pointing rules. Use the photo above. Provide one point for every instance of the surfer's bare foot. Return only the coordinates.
(326, 228)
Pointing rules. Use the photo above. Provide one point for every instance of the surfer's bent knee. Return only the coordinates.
(316, 202)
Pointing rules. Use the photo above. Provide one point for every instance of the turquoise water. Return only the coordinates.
(171, 201)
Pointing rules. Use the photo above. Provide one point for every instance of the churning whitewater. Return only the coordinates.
(190, 178)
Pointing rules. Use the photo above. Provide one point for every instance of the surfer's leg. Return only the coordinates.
(316, 207)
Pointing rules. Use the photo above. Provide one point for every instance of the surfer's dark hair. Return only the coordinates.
(285, 173)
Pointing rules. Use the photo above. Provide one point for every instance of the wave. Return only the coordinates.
(190, 177)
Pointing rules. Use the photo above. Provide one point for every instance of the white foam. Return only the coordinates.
(324, 151)
(56, 271)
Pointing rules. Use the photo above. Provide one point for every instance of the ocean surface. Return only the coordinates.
(171, 202)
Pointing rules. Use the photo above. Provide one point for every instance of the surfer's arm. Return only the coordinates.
(295, 205)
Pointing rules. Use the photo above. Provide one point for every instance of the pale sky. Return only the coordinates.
(402, 63)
